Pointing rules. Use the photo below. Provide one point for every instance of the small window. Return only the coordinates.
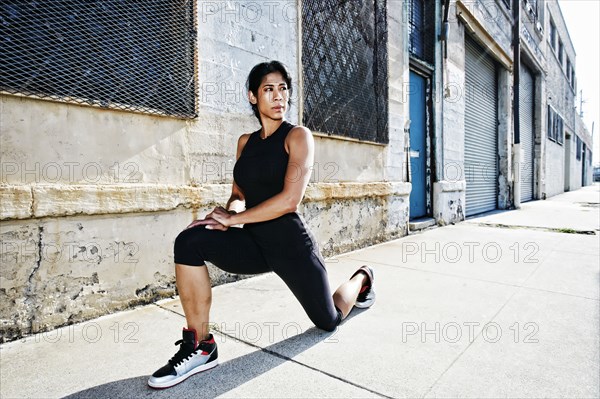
(550, 127)
(555, 128)
(559, 129)
(579, 148)
(568, 70)
(552, 36)
(560, 52)
(533, 11)
(421, 30)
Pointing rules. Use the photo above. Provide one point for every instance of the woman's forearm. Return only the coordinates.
(271, 208)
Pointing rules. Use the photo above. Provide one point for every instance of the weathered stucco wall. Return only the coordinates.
(555, 168)
(59, 270)
(449, 191)
(92, 199)
(575, 167)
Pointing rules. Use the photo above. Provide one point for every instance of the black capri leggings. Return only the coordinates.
(283, 245)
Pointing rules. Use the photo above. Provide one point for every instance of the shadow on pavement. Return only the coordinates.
(223, 378)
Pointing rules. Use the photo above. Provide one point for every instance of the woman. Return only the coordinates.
(271, 173)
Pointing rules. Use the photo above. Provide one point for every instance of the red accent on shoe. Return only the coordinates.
(363, 289)
(204, 353)
(210, 340)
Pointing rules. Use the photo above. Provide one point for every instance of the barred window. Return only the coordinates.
(555, 126)
(559, 135)
(421, 29)
(344, 59)
(131, 55)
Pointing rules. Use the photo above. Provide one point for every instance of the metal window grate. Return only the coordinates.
(344, 59)
(131, 55)
(421, 29)
(555, 126)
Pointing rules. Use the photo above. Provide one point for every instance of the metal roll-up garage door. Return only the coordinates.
(526, 97)
(481, 143)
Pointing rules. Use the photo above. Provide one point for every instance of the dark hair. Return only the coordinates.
(257, 74)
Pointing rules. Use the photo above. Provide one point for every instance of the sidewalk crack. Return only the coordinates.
(565, 230)
(283, 357)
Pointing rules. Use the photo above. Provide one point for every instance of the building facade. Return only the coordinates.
(120, 124)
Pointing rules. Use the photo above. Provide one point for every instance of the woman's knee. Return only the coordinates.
(328, 326)
(328, 322)
(188, 246)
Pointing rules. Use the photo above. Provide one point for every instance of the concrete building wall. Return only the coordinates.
(560, 95)
(533, 56)
(449, 190)
(577, 166)
(488, 23)
(92, 199)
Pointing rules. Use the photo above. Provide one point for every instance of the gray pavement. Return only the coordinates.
(501, 305)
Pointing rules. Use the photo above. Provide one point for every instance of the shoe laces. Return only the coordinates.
(182, 354)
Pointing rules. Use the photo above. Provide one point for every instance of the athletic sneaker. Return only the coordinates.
(192, 358)
(366, 296)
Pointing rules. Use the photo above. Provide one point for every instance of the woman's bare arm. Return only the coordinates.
(297, 176)
(236, 201)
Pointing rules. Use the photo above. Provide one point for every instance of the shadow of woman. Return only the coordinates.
(226, 376)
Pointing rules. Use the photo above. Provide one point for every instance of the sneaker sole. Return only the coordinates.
(366, 304)
(199, 369)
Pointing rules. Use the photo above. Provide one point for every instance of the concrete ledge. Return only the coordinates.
(449, 201)
(16, 202)
(347, 190)
(475, 26)
(451, 186)
(35, 201)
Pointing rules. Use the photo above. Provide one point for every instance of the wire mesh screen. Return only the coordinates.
(421, 29)
(344, 58)
(126, 54)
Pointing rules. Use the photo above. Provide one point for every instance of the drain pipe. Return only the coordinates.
(444, 39)
(445, 28)
(516, 160)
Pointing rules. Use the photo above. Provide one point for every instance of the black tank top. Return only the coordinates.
(260, 169)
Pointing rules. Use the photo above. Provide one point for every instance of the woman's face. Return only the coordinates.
(272, 97)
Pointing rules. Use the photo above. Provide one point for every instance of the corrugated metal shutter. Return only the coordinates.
(526, 96)
(481, 145)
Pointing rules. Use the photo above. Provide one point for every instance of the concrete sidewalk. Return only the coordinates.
(502, 305)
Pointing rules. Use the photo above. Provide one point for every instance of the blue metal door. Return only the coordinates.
(418, 148)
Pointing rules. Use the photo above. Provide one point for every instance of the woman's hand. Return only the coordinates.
(210, 224)
(222, 216)
(218, 219)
